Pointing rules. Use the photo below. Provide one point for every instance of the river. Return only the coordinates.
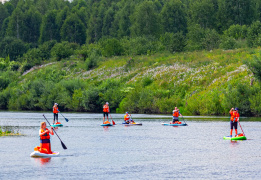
(150, 151)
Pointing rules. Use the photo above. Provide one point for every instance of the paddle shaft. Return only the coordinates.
(241, 127)
(112, 120)
(63, 145)
(184, 120)
(64, 117)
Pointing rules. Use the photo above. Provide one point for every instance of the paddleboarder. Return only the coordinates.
(233, 120)
(127, 118)
(106, 110)
(176, 115)
(55, 112)
(44, 133)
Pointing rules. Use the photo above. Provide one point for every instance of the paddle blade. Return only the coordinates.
(66, 119)
(113, 122)
(63, 145)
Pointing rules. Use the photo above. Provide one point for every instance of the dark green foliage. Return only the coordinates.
(12, 47)
(174, 17)
(49, 28)
(111, 47)
(73, 30)
(254, 34)
(228, 43)
(236, 32)
(63, 50)
(145, 20)
(173, 42)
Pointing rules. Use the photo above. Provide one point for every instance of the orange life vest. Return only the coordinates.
(176, 114)
(55, 110)
(126, 117)
(234, 116)
(105, 108)
(46, 135)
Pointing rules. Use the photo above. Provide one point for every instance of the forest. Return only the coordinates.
(49, 50)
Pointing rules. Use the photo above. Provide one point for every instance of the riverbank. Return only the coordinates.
(199, 83)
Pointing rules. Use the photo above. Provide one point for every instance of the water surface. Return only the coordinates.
(150, 151)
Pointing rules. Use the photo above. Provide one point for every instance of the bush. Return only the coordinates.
(63, 50)
(173, 42)
(227, 43)
(254, 34)
(111, 47)
(236, 31)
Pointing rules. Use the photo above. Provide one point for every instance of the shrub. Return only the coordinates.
(63, 50)
(227, 43)
(173, 42)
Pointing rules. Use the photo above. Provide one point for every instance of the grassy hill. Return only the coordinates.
(199, 83)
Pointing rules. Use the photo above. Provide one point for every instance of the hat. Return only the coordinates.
(126, 112)
(56, 104)
(107, 103)
(236, 109)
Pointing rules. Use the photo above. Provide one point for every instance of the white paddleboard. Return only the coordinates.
(38, 154)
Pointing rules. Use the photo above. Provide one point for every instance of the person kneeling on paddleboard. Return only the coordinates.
(127, 118)
(106, 111)
(55, 113)
(45, 144)
(233, 120)
(176, 115)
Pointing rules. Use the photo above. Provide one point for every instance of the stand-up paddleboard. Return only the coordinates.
(235, 138)
(167, 124)
(106, 125)
(132, 124)
(57, 125)
(39, 154)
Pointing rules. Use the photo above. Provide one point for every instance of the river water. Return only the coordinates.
(150, 151)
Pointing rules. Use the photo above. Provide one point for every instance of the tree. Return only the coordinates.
(236, 12)
(145, 20)
(202, 12)
(73, 30)
(12, 47)
(94, 30)
(49, 28)
(32, 22)
(16, 27)
(173, 17)
(107, 22)
(3, 14)
(254, 34)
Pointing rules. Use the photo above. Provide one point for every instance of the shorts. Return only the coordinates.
(44, 140)
(175, 119)
(105, 113)
(55, 116)
(233, 124)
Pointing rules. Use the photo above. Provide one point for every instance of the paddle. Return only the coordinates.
(63, 145)
(112, 120)
(184, 120)
(241, 127)
(65, 118)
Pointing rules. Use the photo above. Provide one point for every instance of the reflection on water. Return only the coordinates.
(150, 151)
(42, 161)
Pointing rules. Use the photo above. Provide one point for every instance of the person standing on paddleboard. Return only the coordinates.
(176, 115)
(106, 111)
(55, 112)
(233, 120)
(44, 134)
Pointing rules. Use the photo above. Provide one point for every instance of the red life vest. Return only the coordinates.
(55, 110)
(106, 108)
(46, 135)
(126, 117)
(176, 113)
(234, 116)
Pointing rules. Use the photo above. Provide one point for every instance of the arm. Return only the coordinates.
(231, 110)
(40, 134)
(51, 131)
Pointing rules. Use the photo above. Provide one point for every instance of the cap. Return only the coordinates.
(107, 103)
(236, 109)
